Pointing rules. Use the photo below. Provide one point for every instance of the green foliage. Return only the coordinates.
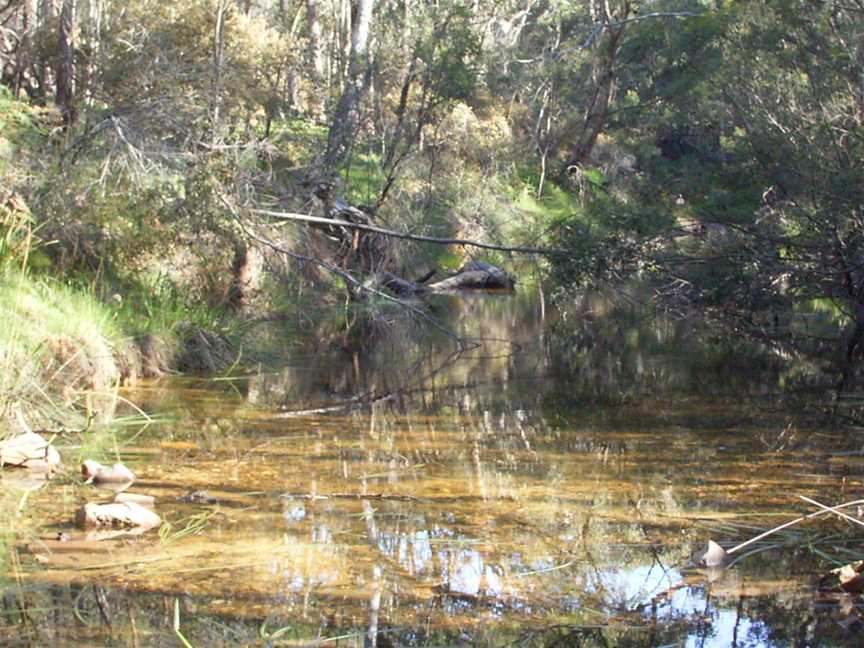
(452, 51)
(298, 139)
(16, 233)
(556, 203)
(21, 127)
(21, 135)
(157, 306)
(363, 179)
(726, 158)
(176, 92)
(749, 185)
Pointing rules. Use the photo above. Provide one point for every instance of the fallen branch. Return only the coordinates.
(346, 276)
(305, 218)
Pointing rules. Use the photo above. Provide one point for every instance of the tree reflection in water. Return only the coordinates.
(528, 491)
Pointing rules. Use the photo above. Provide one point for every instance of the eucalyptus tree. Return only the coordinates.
(566, 68)
(747, 201)
(66, 63)
(343, 124)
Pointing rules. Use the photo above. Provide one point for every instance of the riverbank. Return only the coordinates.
(64, 352)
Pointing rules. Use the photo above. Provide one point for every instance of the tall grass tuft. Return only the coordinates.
(57, 344)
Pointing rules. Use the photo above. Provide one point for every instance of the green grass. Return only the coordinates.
(555, 203)
(55, 340)
(298, 139)
(20, 128)
(157, 307)
(40, 308)
(363, 179)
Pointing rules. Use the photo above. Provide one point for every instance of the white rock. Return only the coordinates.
(28, 449)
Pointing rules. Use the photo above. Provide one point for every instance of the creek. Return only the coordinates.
(516, 493)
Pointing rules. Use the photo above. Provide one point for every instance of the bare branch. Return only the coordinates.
(305, 218)
(346, 276)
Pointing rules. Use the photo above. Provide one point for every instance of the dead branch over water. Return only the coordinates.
(306, 218)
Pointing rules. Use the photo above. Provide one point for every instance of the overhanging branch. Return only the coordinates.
(349, 279)
(305, 218)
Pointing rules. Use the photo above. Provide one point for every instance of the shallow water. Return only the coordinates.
(495, 496)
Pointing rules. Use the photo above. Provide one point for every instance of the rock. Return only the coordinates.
(135, 498)
(714, 556)
(848, 578)
(117, 477)
(116, 514)
(29, 450)
(199, 497)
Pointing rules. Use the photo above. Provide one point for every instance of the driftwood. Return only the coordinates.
(396, 285)
(471, 276)
(475, 274)
(363, 249)
(424, 278)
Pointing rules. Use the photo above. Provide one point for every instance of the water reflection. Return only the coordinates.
(495, 499)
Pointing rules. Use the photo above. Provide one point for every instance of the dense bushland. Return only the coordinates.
(708, 149)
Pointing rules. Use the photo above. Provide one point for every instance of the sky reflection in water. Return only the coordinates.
(497, 497)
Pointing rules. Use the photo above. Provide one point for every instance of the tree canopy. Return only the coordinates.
(710, 148)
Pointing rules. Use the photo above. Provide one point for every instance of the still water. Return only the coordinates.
(388, 487)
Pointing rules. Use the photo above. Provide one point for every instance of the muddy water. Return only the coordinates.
(494, 495)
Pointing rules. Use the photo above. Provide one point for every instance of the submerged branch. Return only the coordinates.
(829, 509)
(786, 525)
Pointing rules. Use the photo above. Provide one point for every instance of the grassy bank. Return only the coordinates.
(94, 290)
(63, 351)
(57, 345)
(118, 262)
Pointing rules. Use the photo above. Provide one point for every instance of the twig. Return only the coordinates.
(828, 509)
(353, 496)
(793, 522)
(565, 565)
(176, 625)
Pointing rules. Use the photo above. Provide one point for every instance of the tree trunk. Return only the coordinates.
(316, 54)
(66, 64)
(218, 61)
(597, 109)
(852, 353)
(92, 62)
(44, 11)
(345, 120)
(24, 51)
(246, 269)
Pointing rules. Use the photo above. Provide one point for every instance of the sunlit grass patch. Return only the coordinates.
(364, 179)
(56, 343)
(554, 203)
